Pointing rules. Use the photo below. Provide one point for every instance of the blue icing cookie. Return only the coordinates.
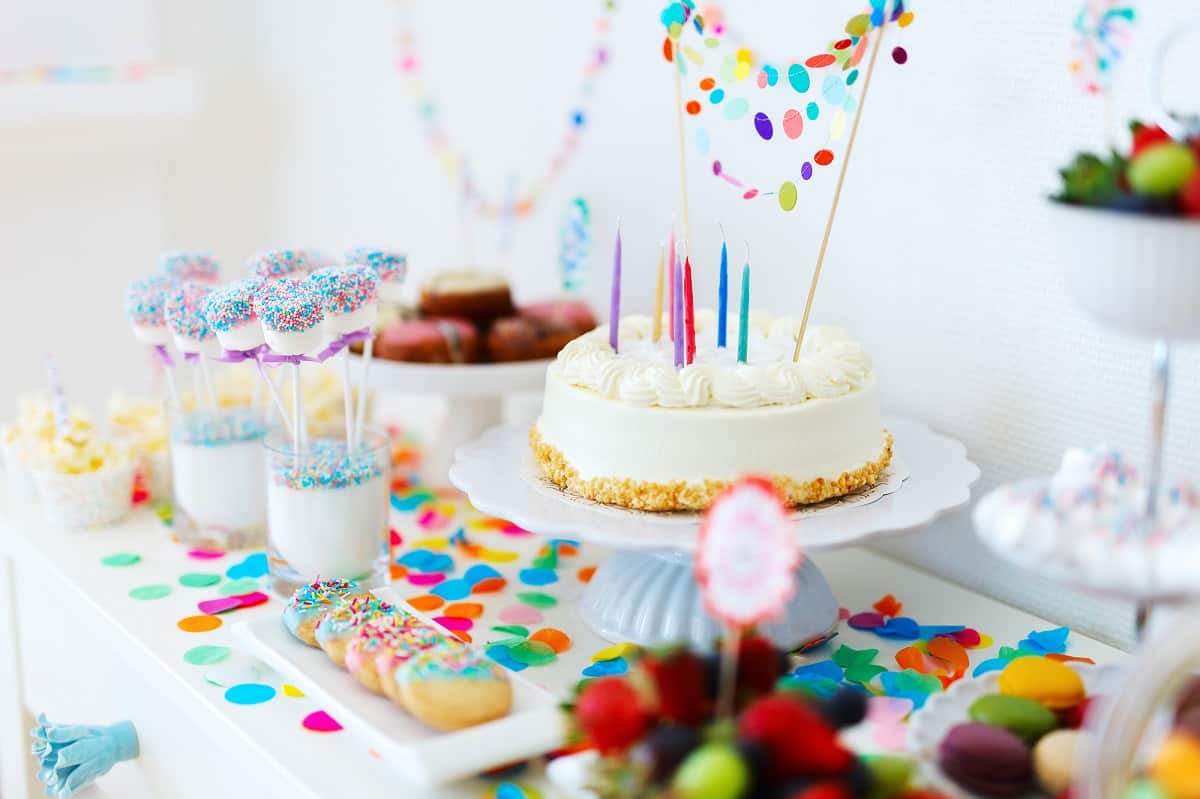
(311, 602)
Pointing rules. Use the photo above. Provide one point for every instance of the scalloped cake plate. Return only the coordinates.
(930, 476)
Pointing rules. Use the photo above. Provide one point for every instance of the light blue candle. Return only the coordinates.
(679, 334)
(722, 295)
(614, 311)
(744, 315)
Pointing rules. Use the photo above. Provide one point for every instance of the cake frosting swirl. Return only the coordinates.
(831, 364)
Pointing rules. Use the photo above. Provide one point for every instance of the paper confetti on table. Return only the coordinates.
(206, 655)
(292, 691)
(198, 579)
(243, 585)
(198, 624)
(253, 566)
(249, 694)
(228, 603)
(320, 721)
(147, 592)
(205, 554)
(121, 559)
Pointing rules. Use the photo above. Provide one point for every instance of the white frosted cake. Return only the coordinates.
(630, 429)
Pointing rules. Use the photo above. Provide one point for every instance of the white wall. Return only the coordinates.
(940, 261)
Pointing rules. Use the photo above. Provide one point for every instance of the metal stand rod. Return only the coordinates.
(1158, 422)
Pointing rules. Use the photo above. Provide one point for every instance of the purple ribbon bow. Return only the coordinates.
(237, 356)
(342, 342)
(191, 356)
(164, 355)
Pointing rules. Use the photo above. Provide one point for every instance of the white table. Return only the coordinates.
(81, 650)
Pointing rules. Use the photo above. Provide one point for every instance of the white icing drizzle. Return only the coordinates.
(831, 364)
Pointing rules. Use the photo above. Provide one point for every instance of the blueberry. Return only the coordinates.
(664, 749)
(845, 708)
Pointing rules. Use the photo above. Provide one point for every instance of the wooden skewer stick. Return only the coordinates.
(677, 53)
(837, 192)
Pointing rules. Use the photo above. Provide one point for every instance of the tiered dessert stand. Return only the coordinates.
(645, 593)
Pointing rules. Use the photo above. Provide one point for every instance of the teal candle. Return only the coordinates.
(723, 296)
(744, 315)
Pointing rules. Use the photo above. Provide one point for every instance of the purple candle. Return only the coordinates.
(678, 307)
(614, 311)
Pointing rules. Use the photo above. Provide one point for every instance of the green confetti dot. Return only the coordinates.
(121, 559)
(199, 579)
(150, 592)
(507, 642)
(242, 585)
(537, 599)
(206, 655)
(533, 653)
(512, 629)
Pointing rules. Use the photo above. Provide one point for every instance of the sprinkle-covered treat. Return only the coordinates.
(278, 264)
(390, 266)
(312, 601)
(418, 638)
(477, 296)
(451, 688)
(429, 341)
(326, 465)
(183, 312)
(195, 265)
(349, 296)
(380, 640)
(145, 300)
(229, 311)
(291, 317)
(335, 629)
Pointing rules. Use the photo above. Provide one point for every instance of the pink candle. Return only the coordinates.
(677, 315)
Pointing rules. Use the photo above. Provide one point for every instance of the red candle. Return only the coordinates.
(689, 311)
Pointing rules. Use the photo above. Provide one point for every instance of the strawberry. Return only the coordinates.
(1145, 136)
(1189, 196)
(1072, 718)
(681, 686)
(822, 790)
(760, 664)
(610, 713)
(799, 741)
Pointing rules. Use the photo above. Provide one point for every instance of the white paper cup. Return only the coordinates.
(92, 499)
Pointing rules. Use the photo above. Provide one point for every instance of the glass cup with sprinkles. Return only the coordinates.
(217, 465)
(327, 510)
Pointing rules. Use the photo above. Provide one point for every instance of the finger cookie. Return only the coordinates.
(312, 601)
(337, 627)
(398, 632)
(452, 687)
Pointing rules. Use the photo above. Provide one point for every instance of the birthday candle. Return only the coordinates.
(677, 315)
(722, 294)
(658, 291)
(671, 289)
(689, 312)
(744, 314)
(614, 313)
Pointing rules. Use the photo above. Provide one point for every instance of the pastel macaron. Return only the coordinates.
(986, 760)
(1047, 682)
(311, 602)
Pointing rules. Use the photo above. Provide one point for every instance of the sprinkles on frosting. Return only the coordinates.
(183, 311)
(448, 663)
(218, 428)
(343, 620)
(288, 306)
(190, 265)
(327, 464)
(145, 299)
(346, 289)
(276, 264)
(232, 305)
(391, 266)
(319, 596)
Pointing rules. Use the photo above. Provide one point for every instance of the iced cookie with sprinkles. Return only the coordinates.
(310, 602)
(335, 629)
(419, 637)
(291, 316)
(229, 311)
(349, 297)
(184, 314)
(145, 299)
(195, 265)
(390, 266)
(383, 636)
(453, 687)
(279, 264)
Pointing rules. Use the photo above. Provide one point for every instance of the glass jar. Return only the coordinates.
(327, 510)
(216, 466)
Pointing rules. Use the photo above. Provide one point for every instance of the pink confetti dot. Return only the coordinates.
(320, 721)
(521, 614)
(426, 579)
(454, 623)
(205, 554)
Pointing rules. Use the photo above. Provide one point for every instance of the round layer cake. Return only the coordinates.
(629, 429)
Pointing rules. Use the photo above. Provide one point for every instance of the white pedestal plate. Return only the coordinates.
(646, 593)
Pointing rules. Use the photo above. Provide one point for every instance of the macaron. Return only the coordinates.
(1054, 760)
(1023, 717)
(1047, 682)
(986, 760)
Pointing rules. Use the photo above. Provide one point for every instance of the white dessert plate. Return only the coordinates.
(930, 475)
(422, 756)
(942, 711)
(455, 379)
(1130, 567)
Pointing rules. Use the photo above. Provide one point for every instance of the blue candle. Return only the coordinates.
(744, 314)
(614, 311)
(679, 334)
(723, 294)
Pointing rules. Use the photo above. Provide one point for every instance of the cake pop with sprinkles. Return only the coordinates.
(391, 266)
(318, 259)
(184, 313)
(145, 298)
(279, 264)
(291, 316)
(195, 265)
(229, 311)
(349, 297)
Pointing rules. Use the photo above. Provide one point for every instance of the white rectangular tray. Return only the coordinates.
(422, 755)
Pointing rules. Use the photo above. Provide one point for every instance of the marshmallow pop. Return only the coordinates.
(279, 264)
(291, 316)
(144, 302)
(229, 311)
(349, 297)
(193, 265)
(391, 266)
(183, 311)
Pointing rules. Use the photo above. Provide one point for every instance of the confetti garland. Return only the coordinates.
(822, 85)
(1104, 29)
(575, 242)
(518, 202)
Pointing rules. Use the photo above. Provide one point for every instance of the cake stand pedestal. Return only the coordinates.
(646, 594)
(474, 396)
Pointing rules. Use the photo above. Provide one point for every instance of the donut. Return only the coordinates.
(349, 297)
(229, 311)
(338, 625)
(183, 312)
(310, 602)
(538, 331)
(477, 296)
(429, 341)
(386, 635)
(453, 687)
(291, 314)
(194, 265)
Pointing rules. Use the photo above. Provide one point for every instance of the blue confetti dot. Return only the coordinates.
(500, 655)
(901, 627)
(812, 110)
(607, 668)
(423, 560)
(250, 693)
(508, 790)
(928, 631)
(538, 576)
(577, 119)
(1045, 641)
(716, 96)
(411, 502)
(993, 664)
(253, 566)
(478, 573)
(452, 589)
(824, 669)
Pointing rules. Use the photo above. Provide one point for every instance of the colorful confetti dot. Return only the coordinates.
(489, 586)
(500, 654)
(538, 576)
(249, 694)
(454, 623)
(615, 651)
(480, 572)
(147, 592)
(252, 566)
(426, 602)
(206, 655)
(198, 579)
(245, 585)
(520, 614)
(205, 554)
(512, 629)
(292, 691)
(533, 653)
(198, 624)
(451, 589)
(554, 638)
(120, 559)
(320, 721)
(466, 610)
(537, 599)
(607, 668)
(585, 574)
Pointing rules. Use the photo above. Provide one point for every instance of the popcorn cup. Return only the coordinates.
(88, 499)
